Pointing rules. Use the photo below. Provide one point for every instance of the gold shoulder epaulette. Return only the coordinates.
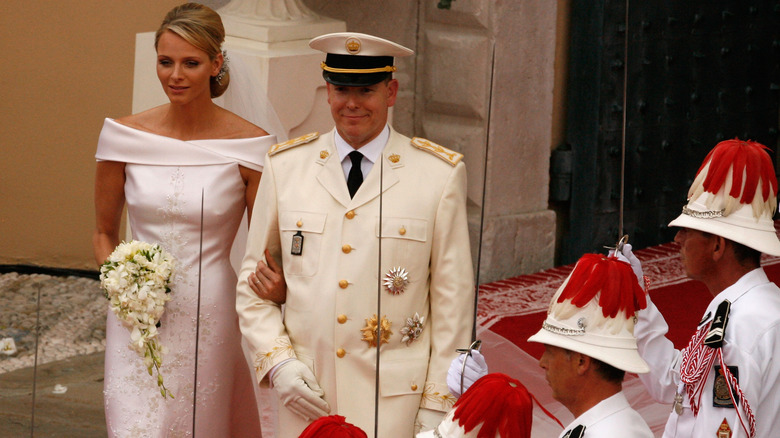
(445, 154)
(289, 144)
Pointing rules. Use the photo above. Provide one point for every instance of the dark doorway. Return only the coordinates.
(699, 72)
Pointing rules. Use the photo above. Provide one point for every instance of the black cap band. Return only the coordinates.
(356, 71)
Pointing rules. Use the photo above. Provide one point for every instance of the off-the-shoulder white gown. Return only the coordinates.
(165, 180)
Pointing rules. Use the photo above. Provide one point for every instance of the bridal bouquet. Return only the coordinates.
(135, 278)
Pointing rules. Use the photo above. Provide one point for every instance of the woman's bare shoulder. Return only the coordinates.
(148, 120)
(238, 127)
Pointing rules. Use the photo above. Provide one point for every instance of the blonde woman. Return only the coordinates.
(173, 165)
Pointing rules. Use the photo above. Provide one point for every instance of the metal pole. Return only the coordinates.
(623, 134)
(484, 191)
(379, 297)
(35, 361)
(197, 316)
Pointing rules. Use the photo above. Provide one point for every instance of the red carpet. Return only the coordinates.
(515, 308)
(511, 310)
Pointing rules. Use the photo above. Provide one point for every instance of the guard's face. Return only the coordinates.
(184, 70)
(696, 249)
(360, 113)
(560, 370)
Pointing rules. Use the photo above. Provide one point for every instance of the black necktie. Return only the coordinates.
(355, 177)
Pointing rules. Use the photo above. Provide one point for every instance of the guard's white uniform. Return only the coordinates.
(752, 344)
(612, 417)
(332, 285)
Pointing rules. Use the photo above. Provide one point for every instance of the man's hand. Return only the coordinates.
(476, 367)
(299, 391)
(268, 281)
(427, 419)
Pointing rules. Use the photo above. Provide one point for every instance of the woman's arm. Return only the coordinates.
(109, 202)
(252, 180)
(268, 279)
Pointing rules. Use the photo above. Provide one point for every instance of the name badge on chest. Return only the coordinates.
(296, 248)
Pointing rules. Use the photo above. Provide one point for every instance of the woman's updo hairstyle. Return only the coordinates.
(202, 27)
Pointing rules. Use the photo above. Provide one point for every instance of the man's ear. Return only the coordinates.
(582, 362)
(718, 247)
(392, 92)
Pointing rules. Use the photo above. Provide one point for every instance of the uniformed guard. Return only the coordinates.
(724, 383)
(318, 214)
(589, 345)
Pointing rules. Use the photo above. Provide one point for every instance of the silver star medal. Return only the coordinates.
(413, 328)
(396, 280)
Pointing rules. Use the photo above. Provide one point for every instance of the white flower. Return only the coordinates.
(135, 278)
(7, 346)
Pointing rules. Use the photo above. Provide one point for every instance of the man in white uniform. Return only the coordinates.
(589, 345)
(726, 382)
(323, 205)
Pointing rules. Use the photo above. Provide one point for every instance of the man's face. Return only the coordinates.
(360, 113)
(696, 250)
(560, 369)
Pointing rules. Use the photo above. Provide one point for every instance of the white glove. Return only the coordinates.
(476, 367)
(427, 419)
(628, 256)
(299, 391)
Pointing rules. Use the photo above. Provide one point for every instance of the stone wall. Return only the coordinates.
(481, 83)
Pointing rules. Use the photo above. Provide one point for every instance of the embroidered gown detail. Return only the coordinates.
(165, 178)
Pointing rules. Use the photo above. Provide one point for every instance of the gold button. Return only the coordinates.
(299, 224)
(346, 249)
(340, 352)
(350, 214)
(342, 319)
(402, 231)
(343, 284)
(414, 387)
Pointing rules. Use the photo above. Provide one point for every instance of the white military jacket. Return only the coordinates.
(752, 344)
(610, 418)
(333, 283)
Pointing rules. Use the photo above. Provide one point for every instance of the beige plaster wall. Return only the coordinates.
(67, 65)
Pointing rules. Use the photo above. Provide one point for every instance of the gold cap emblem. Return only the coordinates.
(353, 46)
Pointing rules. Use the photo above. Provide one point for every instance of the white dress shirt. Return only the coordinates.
(371, 151)
(610, 418)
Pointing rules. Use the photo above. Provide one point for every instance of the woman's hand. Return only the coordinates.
(268, 281)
